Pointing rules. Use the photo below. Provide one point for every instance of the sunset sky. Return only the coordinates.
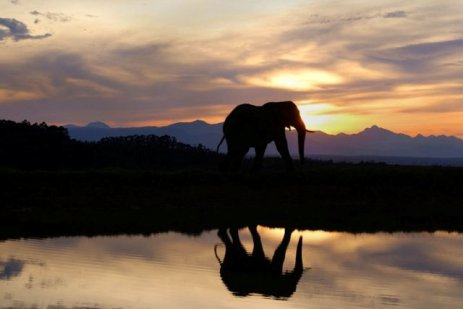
(347, 64)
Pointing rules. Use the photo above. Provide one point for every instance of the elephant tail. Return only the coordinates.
(216, 255)
(220, 143)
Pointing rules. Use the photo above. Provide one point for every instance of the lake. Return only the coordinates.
(172, 270)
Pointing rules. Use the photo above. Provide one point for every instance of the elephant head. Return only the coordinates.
(244, 274)
(288, 115)
(255, 126)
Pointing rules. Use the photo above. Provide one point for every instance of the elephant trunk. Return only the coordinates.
(298, 266)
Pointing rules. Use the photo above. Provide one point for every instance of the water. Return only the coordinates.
(340, 270)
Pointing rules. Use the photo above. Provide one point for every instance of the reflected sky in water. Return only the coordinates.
(419, 270)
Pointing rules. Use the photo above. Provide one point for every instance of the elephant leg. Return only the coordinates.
(299, 267)
(235, 155)
(282, 147)
(280, 253)
(229, 256)
(222, 233)
(238, 247)
(224, 165)
(258, 250)
(260, 150)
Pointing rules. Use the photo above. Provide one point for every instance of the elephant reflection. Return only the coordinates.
(255, 126)
(244, 273)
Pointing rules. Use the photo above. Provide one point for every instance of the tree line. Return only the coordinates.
(40, 146)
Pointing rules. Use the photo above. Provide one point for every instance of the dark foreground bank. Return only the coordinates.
(328, 196)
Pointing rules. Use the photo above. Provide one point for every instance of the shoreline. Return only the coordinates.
(329, 196)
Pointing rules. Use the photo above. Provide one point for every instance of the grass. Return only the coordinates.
(322, 195)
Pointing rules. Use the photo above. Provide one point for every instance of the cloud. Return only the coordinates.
(55, 17)
(327, 19)
(15, 1)
(420, 57)
(54, 75)
(16, 30)
(430, 49)
(438, 107)
(148, 74)
(395, 14)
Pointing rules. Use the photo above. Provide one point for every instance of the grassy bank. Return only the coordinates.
(347, 197)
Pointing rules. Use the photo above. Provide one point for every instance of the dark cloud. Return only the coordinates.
(422, 57)
(415, 256)
(16, 30)
(15, 1)
(10, 268)
(431, 49)
(322, 19)
(56, 17)
(395, 14)
(142, 54)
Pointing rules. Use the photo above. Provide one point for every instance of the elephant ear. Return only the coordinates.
(275, 115)
(285, 116)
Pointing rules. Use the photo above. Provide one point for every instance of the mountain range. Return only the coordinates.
(371, 144)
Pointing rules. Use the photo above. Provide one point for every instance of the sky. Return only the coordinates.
(348, 65)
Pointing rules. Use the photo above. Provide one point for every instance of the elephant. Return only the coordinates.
(244, 274)
(255, 126)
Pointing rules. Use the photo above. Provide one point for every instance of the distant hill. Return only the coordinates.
(371, 144)
(193, 133)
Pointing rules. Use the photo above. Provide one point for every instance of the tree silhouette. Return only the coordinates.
(29, 146)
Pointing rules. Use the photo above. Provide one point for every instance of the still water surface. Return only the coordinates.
(340, 270)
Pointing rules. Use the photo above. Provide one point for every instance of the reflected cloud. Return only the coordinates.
(10, 268)
(417, 270)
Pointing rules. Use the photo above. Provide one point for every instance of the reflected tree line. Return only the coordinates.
(38, 145)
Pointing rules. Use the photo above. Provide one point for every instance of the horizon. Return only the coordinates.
(374, 126)
(347, 65)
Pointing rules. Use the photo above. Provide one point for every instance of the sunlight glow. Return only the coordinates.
(299, 80)
(328, 118)
(312, 237)
(318, 236)
(18, 95)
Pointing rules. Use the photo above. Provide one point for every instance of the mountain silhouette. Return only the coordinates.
(371, 144)
(98, 125)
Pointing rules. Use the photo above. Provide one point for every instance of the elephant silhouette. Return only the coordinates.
(244, 274)
(256, 126)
